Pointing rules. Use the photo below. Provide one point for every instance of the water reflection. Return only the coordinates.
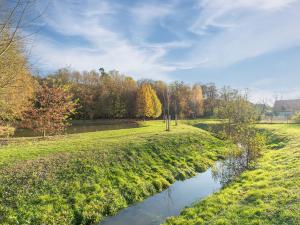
(170, 202)
(227, 170)
(82, 127)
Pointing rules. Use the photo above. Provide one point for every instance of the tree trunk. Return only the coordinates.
(168, 123)
(168, 114)
(176, 111)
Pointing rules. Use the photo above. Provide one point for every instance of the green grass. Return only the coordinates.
(25, 148)
(269, 194)
(81, 178)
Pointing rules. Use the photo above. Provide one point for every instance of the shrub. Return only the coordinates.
(296, 118)
(6, 131)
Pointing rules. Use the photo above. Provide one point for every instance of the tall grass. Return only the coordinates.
(269, 194)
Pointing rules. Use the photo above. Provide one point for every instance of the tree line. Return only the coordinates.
(46, 103)
(113, 95)
(39, 103)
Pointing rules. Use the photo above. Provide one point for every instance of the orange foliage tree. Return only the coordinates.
(50, 110)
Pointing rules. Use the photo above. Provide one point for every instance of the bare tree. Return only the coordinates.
(15, 16)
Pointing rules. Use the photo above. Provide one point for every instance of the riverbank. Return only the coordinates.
(157, 208)
(82, 178)
(269, 194)
(83, 126)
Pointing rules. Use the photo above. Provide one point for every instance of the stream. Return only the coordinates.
(155, 209)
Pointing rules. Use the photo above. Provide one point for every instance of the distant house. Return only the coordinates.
(286, 107)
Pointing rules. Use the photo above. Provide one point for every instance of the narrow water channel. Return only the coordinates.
(155, 209)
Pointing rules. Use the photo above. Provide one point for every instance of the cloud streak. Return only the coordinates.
(148, 39)
(245, 29)
(106, 48)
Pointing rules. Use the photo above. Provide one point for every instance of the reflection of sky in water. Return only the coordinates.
(157, 208)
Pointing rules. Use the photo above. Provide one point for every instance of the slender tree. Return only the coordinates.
(197, 103)
(210, 94)
(240, 117)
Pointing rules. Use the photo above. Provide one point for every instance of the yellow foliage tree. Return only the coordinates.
(16, 82)
(197, 101)
(147, 102)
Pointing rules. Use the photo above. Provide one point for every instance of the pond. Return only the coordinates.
(154, 210)
(85, 126)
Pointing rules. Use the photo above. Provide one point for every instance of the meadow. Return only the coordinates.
(268, 194)
(82, 178)
(119, 68)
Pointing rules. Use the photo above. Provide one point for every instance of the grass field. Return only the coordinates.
(81, 178)
(269, 194)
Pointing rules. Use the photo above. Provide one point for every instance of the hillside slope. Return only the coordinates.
(81, 178)
(270, 194)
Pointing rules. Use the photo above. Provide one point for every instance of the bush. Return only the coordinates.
(6, 131)
(296, 118)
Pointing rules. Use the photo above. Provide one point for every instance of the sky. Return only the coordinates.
(246, 44)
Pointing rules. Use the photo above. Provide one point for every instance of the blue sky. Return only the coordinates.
(252, 44)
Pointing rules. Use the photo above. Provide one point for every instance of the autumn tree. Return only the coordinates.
(210, 93)
(175, 98)
(120, 98)
(84, 87)
(180, 100)
(197, 101)
(147, 102)
(161, 89)
(237, 111)
(51, 107)
(113, 95)
(240, 117)
(129, 96)
(100, 95)
(16, 83)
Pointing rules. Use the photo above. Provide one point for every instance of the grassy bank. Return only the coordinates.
(81, 178)
(269, 194)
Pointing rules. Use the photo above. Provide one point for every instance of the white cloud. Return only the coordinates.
(244, 29)
(148, 13)
(123, 58)
(214, 12)
(244, 34)
(106, 47)
(258, 95)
